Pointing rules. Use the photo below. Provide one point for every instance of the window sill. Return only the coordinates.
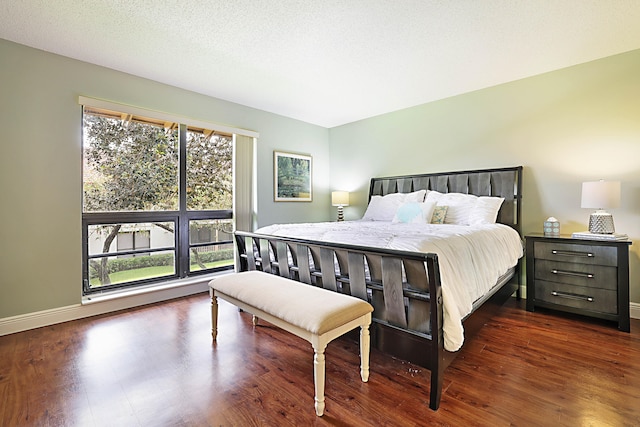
(156, 287)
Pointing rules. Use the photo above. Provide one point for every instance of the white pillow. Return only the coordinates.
(485, 210)
(459, 207)
(414, 213)
(416, 196)
(383, 208)
(433, 196)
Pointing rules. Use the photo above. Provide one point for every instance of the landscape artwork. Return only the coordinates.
(292, 177)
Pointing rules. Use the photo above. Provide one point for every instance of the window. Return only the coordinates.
(157, 197)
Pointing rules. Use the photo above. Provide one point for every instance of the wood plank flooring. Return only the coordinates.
(157, 366)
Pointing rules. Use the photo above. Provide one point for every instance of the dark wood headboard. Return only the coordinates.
(502, 182)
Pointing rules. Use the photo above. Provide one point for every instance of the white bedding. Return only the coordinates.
(471, 258)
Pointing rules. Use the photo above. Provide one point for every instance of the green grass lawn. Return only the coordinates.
(151, 272)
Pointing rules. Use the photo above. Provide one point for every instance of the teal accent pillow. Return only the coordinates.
(414, 213)
(438, 215)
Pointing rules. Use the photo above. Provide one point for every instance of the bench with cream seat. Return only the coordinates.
(315, 314)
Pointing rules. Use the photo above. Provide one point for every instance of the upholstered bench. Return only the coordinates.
(315, 314)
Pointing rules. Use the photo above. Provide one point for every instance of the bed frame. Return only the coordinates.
(403, 287)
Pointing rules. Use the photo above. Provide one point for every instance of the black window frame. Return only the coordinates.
(181, 219)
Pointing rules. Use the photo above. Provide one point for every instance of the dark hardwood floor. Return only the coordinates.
(157, 366)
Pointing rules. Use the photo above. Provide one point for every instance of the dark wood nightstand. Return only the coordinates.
(588, 277)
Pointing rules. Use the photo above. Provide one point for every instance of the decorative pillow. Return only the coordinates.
(383, 208)
(439, 212)
(485, 210)
(414, 213)
(459, 207)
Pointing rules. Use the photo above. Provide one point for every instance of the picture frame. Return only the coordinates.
(292, 177)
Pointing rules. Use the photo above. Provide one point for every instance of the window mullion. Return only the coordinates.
(183, 221)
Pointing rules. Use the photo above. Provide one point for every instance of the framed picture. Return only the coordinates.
(292, 177)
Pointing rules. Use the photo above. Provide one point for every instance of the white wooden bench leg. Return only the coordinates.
(365, 344)
(318, 376)
(214, 315)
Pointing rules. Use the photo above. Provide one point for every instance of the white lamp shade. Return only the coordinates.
(600, 194)
(340, 198)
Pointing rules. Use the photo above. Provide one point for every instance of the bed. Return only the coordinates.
(419, 313)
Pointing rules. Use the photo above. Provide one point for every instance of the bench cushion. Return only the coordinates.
(311, 308)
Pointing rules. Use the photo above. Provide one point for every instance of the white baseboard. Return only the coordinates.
(634, 310)
(102, 305)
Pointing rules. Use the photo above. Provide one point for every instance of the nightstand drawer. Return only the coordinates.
(576, 253)
(592, 276)
(580, 297)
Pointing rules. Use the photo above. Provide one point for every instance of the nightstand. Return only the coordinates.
(588, 277)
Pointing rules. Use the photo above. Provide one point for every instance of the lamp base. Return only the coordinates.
(601, 222)
(340, 214)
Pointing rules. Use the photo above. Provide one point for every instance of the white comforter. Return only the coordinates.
(471, 258)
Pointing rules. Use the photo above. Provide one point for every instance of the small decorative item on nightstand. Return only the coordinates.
(551, 227)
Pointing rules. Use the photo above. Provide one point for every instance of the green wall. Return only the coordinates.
(577, 124)
(40, 165)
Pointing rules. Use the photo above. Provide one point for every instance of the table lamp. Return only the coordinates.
(601, 195)
(340, 199)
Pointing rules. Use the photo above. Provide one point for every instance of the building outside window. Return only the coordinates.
(131, 240)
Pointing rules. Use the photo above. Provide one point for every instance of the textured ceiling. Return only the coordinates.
(327, 62)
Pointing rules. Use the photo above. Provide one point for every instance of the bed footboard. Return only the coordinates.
(403, 287)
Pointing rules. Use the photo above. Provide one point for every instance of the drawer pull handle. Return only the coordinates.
(572, 253)
(571, 296)
(573, 273)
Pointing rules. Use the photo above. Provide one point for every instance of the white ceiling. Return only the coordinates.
(327, 62)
